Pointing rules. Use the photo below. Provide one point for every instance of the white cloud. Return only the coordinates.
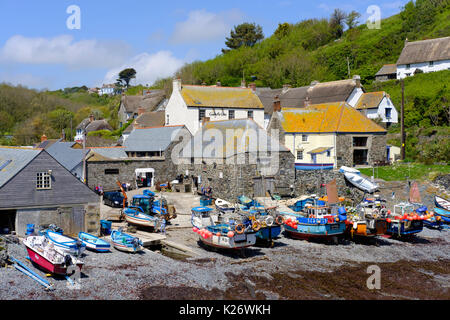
(63, 50)
(202, 26)
(149, 67)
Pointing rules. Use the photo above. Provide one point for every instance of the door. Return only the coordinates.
(7, 221)
(263, 186)
(77, 220)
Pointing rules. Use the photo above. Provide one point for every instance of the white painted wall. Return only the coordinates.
(178, 113)
(403, 71)
(354, 96)
(294, 142)
(381, 111)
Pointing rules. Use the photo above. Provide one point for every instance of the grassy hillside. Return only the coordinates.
(299, 53)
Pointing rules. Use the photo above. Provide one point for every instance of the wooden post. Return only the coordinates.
(403, 121)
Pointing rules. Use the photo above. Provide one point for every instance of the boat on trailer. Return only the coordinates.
(94, 243)
(125, 242)
(442, 203)
(65, 243)
(44, 254)
(135, 216)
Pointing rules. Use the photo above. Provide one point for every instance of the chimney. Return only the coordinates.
(43, 138)
(406, 41)
(286, 88)
(176, 84)
(140, 111)
(276, 105)
(307, 102)
(252, 86)
(243, 84)
(218, 84)
(205, 120)
(91, 118)
(357, 81)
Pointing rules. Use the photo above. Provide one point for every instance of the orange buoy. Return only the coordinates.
(230, 234)
(218, 234)
(195, 229)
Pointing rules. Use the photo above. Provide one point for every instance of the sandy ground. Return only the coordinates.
(292, 269)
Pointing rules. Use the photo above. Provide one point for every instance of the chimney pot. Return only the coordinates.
(252, 86)
(219, 84)
(286, 87)
(177, 84)
(357, 80)
(43, 138)
(243, 84)
(277, 105)
(91, 118)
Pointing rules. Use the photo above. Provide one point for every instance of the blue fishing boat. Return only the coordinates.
(247, 203)
(316, 224)
(443, 214)
(67, 244)
(125, 242)
(93, 243)
(433, 223)
(404, 221)
(270, 226)
(300, 204)
(136, 216)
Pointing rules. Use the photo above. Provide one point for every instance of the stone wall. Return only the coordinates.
(376, 145)
(229, 181)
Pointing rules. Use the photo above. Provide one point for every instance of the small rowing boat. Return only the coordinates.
(224, 206)
(442, 203)
(67, 244)
(125, 242)
(444, 214)
(345, 169)
(134, 215)
(93, 243)
(360, 182)
(47, 256)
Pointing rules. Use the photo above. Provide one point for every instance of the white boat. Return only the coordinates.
(442, 203)
(66, 244)
(360, 182)
(224, 206)
(133, 216)
(345, 169)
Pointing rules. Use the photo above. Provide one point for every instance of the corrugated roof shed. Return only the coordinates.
(151, 139)
(327, 118)
(220, 97)
(13, 160)
(425, 51)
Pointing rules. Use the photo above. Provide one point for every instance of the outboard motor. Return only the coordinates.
(135, 242)
(67, 260)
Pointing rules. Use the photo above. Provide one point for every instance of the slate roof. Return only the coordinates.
(150, 139)
(66, 155)
(146, 120)
(267, 97)
(425, 51)
(13, 160)
(220, 97)
(110, 152)
(327, 118)
(244, 130)
(370, 100)
(387, 69)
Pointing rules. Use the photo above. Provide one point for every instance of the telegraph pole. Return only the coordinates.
(403, 120)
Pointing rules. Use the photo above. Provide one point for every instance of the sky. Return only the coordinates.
(54, 44)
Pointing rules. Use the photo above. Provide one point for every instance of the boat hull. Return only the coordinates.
(45, 264)
(68, 247)
(380, 227)
(224, 242)
(269, 233)
(126, 248)
(321, 231)
(141, 220)
(442, 203)
(404, 228)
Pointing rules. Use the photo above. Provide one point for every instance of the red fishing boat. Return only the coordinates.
(43, 254)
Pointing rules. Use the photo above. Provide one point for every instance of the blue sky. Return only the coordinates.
(38, 50)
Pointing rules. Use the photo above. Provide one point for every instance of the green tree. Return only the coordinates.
(60, 119)
(337, 22)
(282, 30)
(245, 34)
(126, 75)
(352, 19)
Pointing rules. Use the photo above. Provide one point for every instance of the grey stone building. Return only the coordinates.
(237, 157)
(37, 189)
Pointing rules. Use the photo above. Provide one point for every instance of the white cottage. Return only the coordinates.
(427, 55)
(378, 105)
(193, 105)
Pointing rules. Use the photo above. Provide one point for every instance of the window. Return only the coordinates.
(201, 114)
(231, 114)
(408, 66)
(360, 141)
(300, 155)
(167, 120)
(431, 64)
(250, 114)
(43, 181)
(111, 171)
(388, 113)
(304, 137)
(328, 153)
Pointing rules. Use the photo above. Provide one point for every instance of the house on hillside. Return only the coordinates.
(426, 55)
(236, 157)
(36, 189)
(130, 105)
(387, 72)
(378, 105)
(329, 135)
(90, 125)
(349, 91)
(193, 105)
(107, 89)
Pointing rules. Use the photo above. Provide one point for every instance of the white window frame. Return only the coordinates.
(299, 152)
(43, 181)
